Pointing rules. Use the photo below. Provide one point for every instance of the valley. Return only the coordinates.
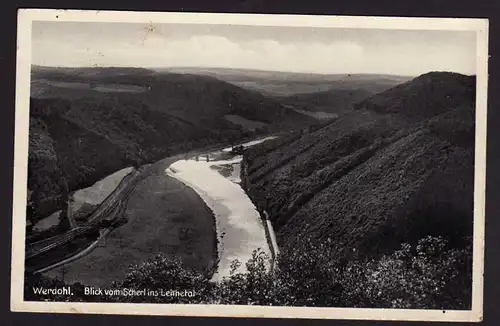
(375, 171)
(348, 173)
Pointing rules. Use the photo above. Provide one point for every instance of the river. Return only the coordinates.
(215, 177)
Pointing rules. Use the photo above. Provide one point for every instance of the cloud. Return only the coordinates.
(339, 56)
(201, 50)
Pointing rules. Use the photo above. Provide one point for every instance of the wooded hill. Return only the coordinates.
(86, 123)
(397, 168)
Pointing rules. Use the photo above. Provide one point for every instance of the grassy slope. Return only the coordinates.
(371, 179)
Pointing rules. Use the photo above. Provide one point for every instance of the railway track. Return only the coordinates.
(108, 209)
(109, 206)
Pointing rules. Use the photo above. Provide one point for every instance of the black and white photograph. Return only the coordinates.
(249, 165)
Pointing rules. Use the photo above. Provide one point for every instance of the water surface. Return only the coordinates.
(215, 177)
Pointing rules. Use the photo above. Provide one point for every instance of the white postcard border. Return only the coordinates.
(25, 19)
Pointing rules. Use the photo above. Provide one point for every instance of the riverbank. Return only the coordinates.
(201, 255)
(264, 217)
(163, 216)
(216, 177)
(238, 228)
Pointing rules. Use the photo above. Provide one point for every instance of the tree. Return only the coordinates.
(166, 273)
(428, 275)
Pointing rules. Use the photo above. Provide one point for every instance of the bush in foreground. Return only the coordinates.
(428, 275)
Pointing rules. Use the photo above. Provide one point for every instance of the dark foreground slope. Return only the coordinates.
(397, 169)
(87, 123)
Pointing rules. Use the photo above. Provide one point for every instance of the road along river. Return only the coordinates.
(240, 230)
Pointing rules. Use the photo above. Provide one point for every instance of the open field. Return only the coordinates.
(100, 87)
(278, 83)
(245, 123)
(163, 216)
(96, 193)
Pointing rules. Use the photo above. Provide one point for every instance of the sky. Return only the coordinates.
(289, 49)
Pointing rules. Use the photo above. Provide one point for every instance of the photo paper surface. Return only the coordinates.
(243, 165)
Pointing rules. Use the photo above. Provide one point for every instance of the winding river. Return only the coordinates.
(215, 177)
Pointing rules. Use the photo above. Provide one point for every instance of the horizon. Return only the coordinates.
(323, 51)
(164, 69)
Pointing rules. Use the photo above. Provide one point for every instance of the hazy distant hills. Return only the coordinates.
(276, 83)
(89, 122)
(235, 74)
(319, 93)
(398, 168)
(193, 97)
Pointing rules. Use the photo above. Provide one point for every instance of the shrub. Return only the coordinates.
(420, 277)
(428, 275)
(162, 273)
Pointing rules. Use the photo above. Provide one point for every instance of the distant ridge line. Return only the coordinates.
(222, 69)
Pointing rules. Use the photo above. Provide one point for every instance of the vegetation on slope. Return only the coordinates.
(398, 169)
(281, 84)
(192, 97)
(332, 101)
(425, 96)
(373, 209)
(428, 275)
(163, 216)
(79, 134)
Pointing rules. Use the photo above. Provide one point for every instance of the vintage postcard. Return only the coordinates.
(281, 166)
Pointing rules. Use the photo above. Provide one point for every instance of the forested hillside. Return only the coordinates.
(397, 169)
(86, 123)
(425, 96)
(195, 98)
(373, 209)
(333, 101)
